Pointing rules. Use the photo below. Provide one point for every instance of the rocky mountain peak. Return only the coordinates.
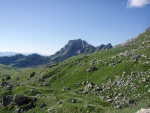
(75, 45)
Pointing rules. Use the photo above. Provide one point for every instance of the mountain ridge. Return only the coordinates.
(72, 48)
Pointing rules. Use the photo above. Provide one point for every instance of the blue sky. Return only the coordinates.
(45, 26)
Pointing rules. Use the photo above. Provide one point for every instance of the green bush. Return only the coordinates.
(8, 77)
(32, 74)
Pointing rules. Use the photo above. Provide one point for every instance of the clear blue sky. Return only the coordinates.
(45, 26)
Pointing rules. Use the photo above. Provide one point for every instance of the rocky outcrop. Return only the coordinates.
(17, 99)
(20, 102)
(6, 85)
(6, 100)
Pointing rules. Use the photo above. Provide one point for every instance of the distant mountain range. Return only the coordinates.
(11, 53)
(72, 48)
(20, 60)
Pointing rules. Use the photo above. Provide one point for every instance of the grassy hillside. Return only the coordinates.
(109, 81)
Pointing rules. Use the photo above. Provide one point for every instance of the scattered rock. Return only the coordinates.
(8, 87)
(42, 105)
(143, 110)
(65, 89)
(73, 101)
(110, 100)
(118, 107)
(92, 68)
(41, 79)
(18, 110)
(4, 83)
(17, 99)
(60, 102)
(46, 84)
(135, 57)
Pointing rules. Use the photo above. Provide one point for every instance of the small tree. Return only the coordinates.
(8, 77)
(32, 74)
(3, 79)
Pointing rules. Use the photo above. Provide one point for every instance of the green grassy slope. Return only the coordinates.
(121, 83)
